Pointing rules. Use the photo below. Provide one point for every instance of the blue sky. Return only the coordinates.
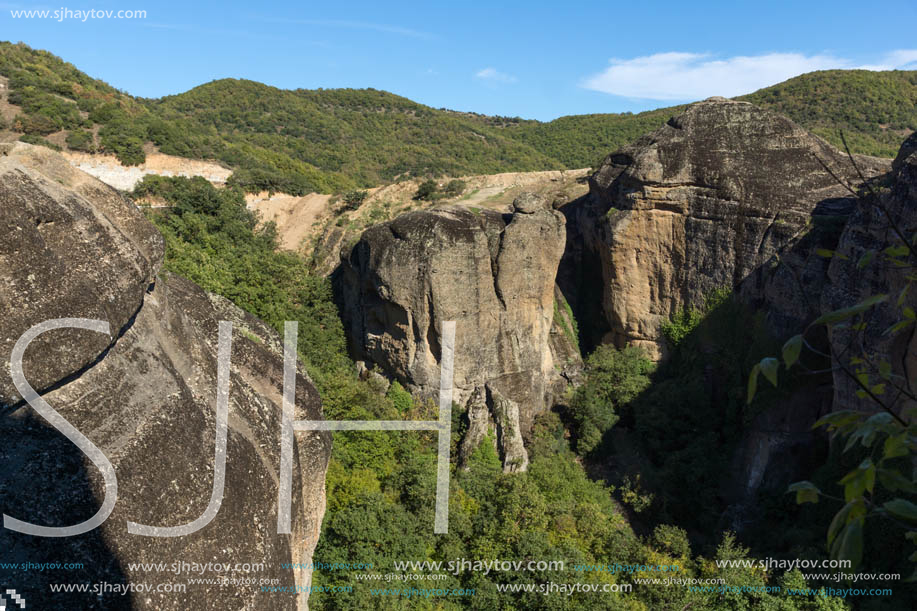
(531, 59)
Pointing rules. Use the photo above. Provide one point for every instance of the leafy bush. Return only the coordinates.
(34, 124)
(426, 190)
(671, 540)
(613, 379)
(400, 398)
(354, 198)
(128, 149)
(33, 139)
(454, 188)
(81, 140)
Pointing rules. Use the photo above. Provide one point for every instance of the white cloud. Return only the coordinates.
(900, 59)
(492, 74)
(694, 76)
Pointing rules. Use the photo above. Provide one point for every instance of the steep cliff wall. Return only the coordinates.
(704, 203)
(494, 275)
(146, 396)
(874, 227)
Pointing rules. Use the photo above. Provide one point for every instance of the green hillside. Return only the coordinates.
(581, 141)
(333, 140)
(291, 141)
(368, 135)
(875, 110)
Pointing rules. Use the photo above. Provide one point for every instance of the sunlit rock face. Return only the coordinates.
(145, 395)
(494, 275)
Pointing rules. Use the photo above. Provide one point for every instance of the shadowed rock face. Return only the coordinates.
(727, 195)
(869, 230)
(494, 275)
(701, 204)
(147, 399)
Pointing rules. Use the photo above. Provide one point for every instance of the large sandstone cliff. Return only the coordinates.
(494, 275)
(710, 200)
(146, 397)
(727, 195)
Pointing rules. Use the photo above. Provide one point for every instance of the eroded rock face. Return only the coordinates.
(147, 399)
(70, 248)
(701, 204)
(726, 195)
(494, 275)
(869, 229)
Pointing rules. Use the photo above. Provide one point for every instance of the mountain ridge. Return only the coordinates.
(330, 140)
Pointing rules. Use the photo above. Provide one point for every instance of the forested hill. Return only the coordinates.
(367, 135)
(331, 140)
(875, 111)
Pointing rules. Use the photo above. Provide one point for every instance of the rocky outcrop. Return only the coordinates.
(879, 222)
(494, 275)
(704, 203)
(726, 195)
(146, 397)
(71, 248)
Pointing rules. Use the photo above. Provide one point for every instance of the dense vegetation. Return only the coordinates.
(381, 484)
(582, 141)
(672, 441)
(340, 139)
(875, 110)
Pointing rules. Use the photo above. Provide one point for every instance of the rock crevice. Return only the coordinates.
(145, 397)
(493, 274)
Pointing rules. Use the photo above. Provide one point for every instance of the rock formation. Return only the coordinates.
(873, 227)
(703, 203)
(494, 275)
(728, 195)
(146, 397)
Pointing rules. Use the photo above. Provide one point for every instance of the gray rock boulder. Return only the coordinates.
(146, 397)
(494, 275)
(71, 248)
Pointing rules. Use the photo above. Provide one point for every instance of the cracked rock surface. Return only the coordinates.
(494, 275)
(703, 203)
(146, 396)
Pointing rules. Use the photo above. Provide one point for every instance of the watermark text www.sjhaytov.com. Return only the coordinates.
(66, 14)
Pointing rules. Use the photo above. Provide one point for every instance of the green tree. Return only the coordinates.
(427, 190)
(454, 188)
(81, 140)
(613, 379)
(354, 198)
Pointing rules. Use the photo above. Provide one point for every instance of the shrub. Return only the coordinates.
(400, 398)
(128, 149)
(34, 124)
(427, 190)
(454, 188)
(355, 198)
(33, 139)
(81, 140)
(671, 540)
(613, 379)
